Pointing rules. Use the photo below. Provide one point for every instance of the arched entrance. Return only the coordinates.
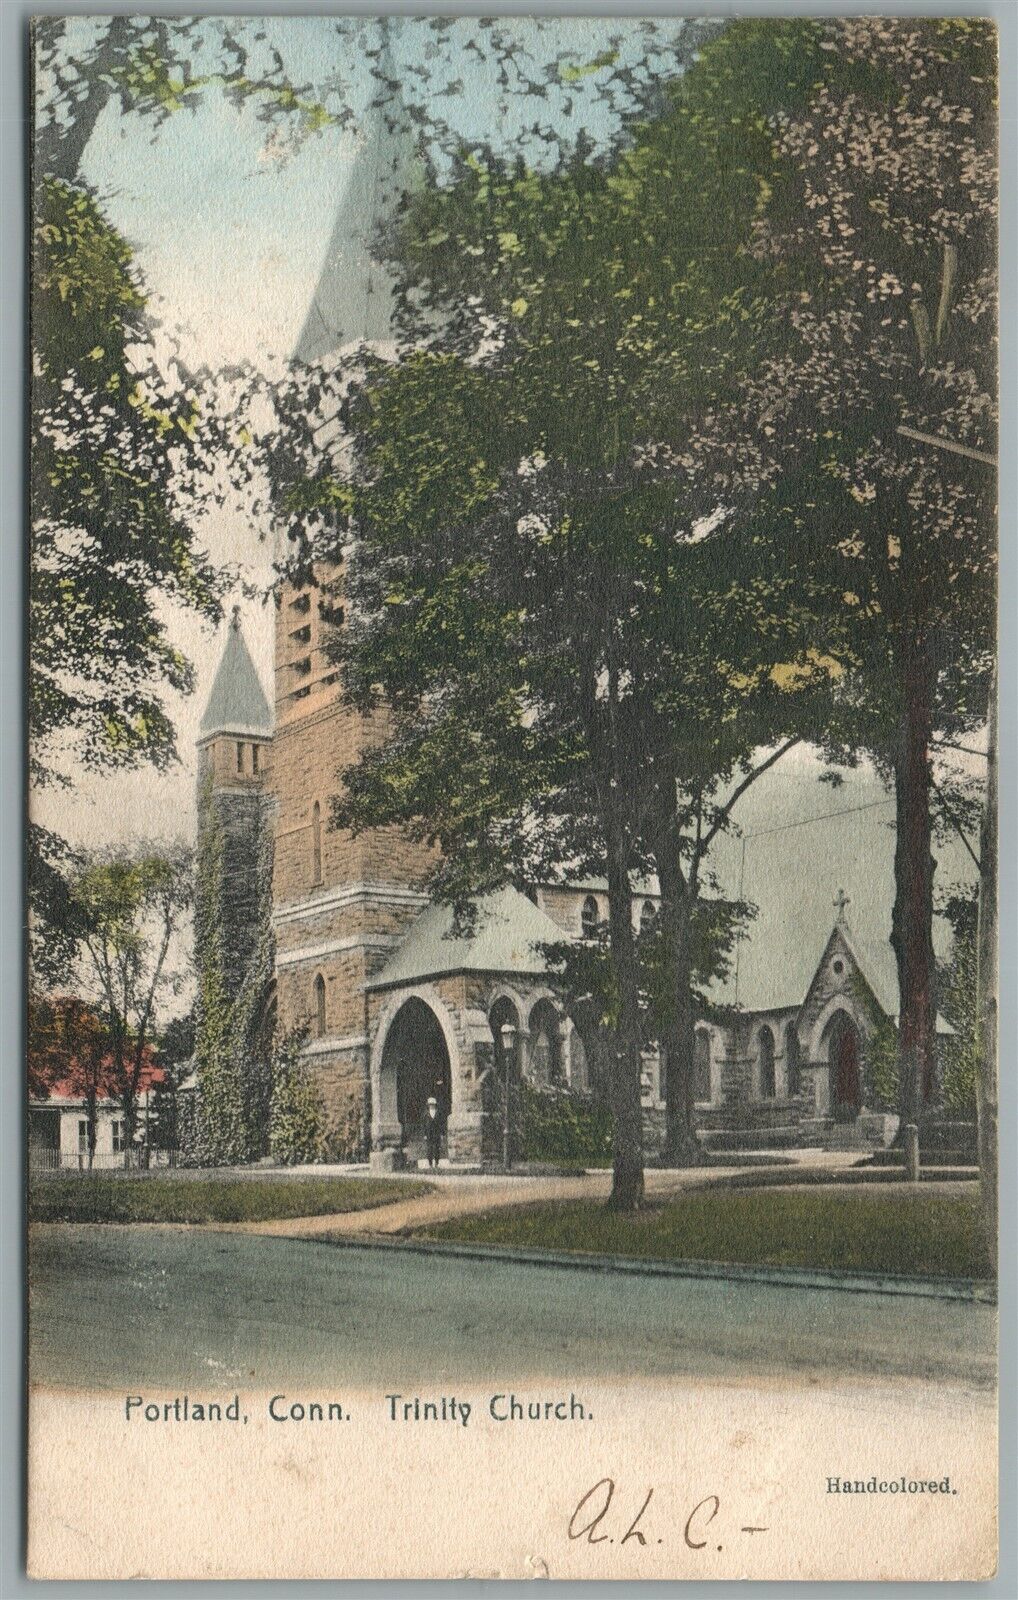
(415, 1059)
(844, 1055)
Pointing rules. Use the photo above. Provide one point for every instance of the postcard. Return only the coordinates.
(512, 1073)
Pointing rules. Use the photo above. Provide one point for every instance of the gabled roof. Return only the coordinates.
(237, 702)
(508, 928)
(874, 960)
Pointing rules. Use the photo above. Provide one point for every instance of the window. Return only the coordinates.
(765, 1048)
(545, 1045)
(701, 1065)
(83, 1136)
(119, 1137)
(838, 967)
(316, 843)
(792, 1074)
(320, 1006)
(240, 757)
(254, 758)
(589, 918)
(648, 916)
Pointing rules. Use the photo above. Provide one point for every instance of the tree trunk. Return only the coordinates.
(91, 1119)
(912, 919)
(986, 995)
(60, 147)
(624, 1079)
(677, 1029)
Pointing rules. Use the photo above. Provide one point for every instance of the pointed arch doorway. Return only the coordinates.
(844, 1053)
(415, 1065)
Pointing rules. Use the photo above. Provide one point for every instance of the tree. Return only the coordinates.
(987, 1068)
(886, 223)
(136, 900)
(124, 462)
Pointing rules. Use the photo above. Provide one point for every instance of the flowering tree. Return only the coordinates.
(884, 409)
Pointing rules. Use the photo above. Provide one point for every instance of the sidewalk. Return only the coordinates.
(457, 1196)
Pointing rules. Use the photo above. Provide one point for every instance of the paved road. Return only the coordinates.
(113, 1307)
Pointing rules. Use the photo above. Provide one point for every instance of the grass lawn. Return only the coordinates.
(915, 1235)
(97, 1197)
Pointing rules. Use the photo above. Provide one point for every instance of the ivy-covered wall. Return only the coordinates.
(251, 1099)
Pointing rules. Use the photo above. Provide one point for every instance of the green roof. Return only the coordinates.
(237, 702)
(509, 927)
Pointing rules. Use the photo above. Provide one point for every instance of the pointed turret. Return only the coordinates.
(353, 302)
(236, 703)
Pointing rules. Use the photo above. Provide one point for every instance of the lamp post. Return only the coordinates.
(508, 1036)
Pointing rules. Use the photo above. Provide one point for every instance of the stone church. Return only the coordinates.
(399, 1006)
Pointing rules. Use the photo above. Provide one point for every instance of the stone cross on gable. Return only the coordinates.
(841, 900)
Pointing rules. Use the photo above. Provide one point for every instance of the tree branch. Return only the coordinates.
(740, 790)
(953, 820)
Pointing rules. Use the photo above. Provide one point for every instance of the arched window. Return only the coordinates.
(648, 916)
(701, 1065)
(320, 1006)
(578, 1076)
(545, 1045)
(589, 918)
(793, 1061)
(316, 843)
(765, 1050)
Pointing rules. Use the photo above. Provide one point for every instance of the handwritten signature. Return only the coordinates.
(597, 1514)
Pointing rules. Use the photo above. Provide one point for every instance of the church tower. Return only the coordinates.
(341, 904)
(234, 766)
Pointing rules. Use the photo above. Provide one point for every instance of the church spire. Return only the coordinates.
(237, 702)
(353, 302)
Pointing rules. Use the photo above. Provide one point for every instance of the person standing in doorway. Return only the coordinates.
(433, 1131)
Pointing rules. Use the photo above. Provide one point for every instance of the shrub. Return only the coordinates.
(296, 1118)
(561, 1125)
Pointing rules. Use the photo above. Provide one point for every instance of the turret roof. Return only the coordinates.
(237, 702)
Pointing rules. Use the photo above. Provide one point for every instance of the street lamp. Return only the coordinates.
(508, 1036)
